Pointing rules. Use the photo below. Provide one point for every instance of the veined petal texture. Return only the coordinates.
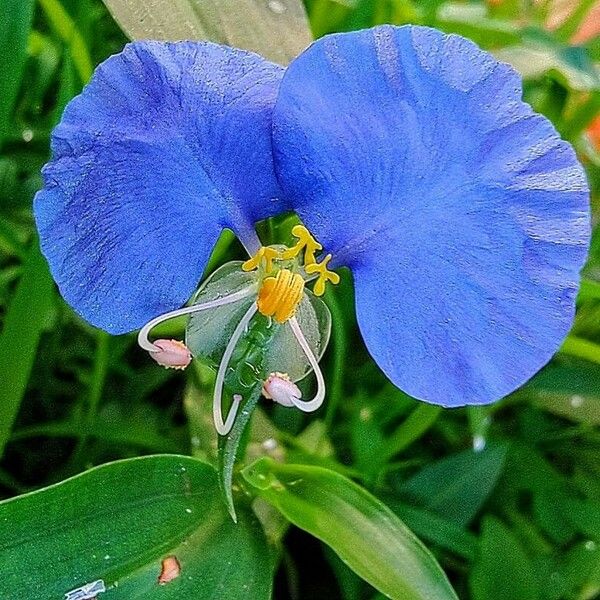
(167, 145)
(463, 216)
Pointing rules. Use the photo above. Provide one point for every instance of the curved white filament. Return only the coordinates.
(143, 339)
(224, 428)
(315, 403)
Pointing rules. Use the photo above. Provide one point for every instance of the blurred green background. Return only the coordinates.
(507, 496)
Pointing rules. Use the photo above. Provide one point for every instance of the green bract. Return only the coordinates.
(209, 331)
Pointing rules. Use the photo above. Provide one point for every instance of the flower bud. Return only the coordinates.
(171, 354)
(280, 389)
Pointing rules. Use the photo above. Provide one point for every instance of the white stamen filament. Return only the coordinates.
(315, 403)
(145, 343)
(225, 427)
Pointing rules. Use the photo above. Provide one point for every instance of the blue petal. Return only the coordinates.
(463, 216)
(167, 145)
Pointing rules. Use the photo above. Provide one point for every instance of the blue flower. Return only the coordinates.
(407, 153)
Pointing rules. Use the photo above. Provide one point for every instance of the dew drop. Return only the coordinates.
(269, 444)
(576, 401)
(27, 135)
(590, 545)
(276, 6)
(188, 511)
(478, 443)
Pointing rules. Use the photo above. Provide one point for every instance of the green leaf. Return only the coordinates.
(437, 530)
(277, 29)
(584, 516)
(66, 28)
(581, 570)
(534, 58)
(15, 23)
(364, 533)
(502, 571)
(415, 426)
(229, 446)
(118, 522)
(457, 486)
(68, 88)
(472, 21)
(528, 470)
(548, 513)
(24, 321)
(567, 387)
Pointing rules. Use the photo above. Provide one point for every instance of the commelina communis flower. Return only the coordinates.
(407, 154)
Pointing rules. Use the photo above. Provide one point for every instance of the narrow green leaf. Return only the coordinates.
(229, 447)
(415, 426)
(67, 30)
(197, 403)
(473, 21)
(277, 29)
(548, 512)
(118, 522)
(567, 387)
(581, 570)
(15, 22)
(69, 86)
(576, 346)
(583, 515)
(534, 58)
(503, 571)
(364, 533)
(457, 486)
(113, 433)
(24, 321)
(437, 530)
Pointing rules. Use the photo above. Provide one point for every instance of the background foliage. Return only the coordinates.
(507, 497)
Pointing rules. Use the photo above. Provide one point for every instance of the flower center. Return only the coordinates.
(279, 296)
(282, 287)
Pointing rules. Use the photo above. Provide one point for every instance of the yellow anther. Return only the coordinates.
(305, 242)
(325, 275)
(279, 296)
(265, 253)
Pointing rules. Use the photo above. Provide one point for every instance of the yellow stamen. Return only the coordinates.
(279, 296)
(325, 275)
(305, 242)
(264, 253)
